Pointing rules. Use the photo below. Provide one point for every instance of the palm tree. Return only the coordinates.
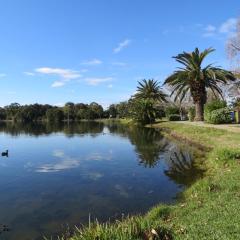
(150, 90)
(194, 79)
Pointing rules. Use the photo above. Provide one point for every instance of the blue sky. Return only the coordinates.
(54, 51)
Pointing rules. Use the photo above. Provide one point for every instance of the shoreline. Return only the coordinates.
(207, 209)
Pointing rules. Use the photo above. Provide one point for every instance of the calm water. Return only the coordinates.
(55, 176)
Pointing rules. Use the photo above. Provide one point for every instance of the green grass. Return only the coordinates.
(209, 209)
(125, 121)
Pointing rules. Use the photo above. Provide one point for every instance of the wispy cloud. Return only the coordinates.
(65, 75)
(229, 26)
(2, 75)
(209, 30)
(120, 64)
(122, 45)
(11, 92)
(58, 84)
(84, 70)
(61, 72)
(92, 62)
(97, 81)
(29, 73)
(110, 86)
(226, 28)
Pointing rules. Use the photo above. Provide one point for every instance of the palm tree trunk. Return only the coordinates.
(199, 111)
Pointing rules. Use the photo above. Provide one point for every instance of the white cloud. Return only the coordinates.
(229, 26)
(61, 72)
(58, 84)
(65, 75)
(97, 81)
(210, 28)
(110, 86)
(122, 45)
(59, 104)
(29, 73)
(92, 62)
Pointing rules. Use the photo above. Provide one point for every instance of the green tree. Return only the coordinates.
(68, 110)
(150, 90)
(112, 111)
(54, 115)
(12, 110)
(143, 111)
(97, 109)
(145, 103)
(194, 78)
(122, 109)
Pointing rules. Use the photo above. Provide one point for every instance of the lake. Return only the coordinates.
(58, 175)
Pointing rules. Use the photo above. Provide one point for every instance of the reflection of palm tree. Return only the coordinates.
(182, 169)
(149, 143)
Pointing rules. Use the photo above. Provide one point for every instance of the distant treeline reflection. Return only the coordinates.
(150, 145)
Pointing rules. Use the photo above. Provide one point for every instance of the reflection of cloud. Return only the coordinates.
(58, 153)
(121, 190)
(67, 162)
(99, 156)
(95, 175)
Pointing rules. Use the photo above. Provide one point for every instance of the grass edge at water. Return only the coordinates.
(207, 210)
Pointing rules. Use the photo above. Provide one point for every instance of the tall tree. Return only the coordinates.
(144, 102)
(194, 78)
(150, 90)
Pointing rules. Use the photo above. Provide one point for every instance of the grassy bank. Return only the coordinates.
(124, 121)
(207, 210)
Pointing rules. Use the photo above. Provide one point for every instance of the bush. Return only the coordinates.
(143, 111)
(174, 117)
(220, 116)
(171, 111)
(211, 106)
(191, 114)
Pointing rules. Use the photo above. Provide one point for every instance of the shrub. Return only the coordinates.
(211, 106)
(191, 114)
(143, 111)
(171, 110)
(220, 116)
(174, 117)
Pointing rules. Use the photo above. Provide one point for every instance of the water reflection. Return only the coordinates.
(38, 129)
(181, 167)
(58, 174)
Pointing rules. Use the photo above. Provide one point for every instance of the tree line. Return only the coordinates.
(191, 82)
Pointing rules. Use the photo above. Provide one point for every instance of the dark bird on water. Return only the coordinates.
(5, 154)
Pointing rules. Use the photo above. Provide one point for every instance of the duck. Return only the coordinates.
(5, 154)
